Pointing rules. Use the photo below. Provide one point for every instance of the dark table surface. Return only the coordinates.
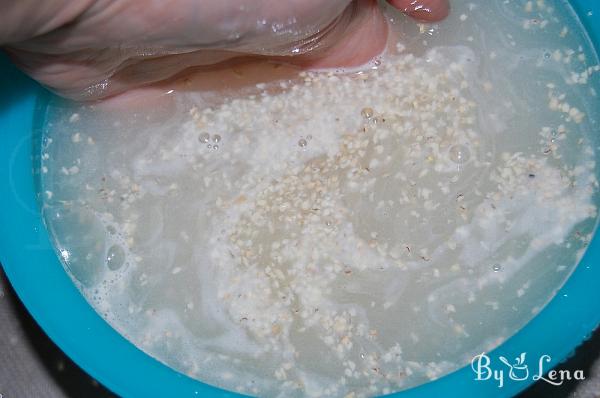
(31, 366)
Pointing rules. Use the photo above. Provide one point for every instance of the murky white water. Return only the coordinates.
(328, 233)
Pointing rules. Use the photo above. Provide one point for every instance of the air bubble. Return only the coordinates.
(459, 153)
(115, 257)
(204, 138)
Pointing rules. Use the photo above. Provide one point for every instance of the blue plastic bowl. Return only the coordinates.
(48, 293)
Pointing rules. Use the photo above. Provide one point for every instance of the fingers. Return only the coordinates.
(235, 75)
(90, 75)
(252, 26)
(423, 10)
(129, 44)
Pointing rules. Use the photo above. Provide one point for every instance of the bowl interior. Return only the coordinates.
(49, 294)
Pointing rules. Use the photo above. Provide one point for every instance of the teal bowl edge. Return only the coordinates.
(48, 293)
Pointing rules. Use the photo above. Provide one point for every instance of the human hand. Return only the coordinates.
(90, 49)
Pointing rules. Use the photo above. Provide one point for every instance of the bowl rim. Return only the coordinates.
(31, 265)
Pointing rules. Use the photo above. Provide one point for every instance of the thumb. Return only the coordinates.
(359, 36)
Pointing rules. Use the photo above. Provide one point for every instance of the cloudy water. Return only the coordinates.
(327, 233)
